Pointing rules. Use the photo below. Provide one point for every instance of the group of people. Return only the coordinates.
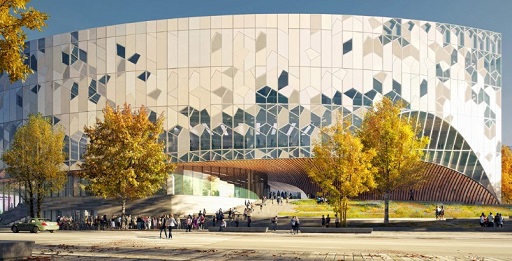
(326, 221)
(491, 221)
(195, 222)
(321, 200)
(279, 197)
(167, 223)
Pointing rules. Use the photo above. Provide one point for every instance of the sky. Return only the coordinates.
(494, 15)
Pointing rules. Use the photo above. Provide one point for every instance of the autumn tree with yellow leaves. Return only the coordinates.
(124, 159)
(35, 159)
(341, 167)
(506, 174)
(399, 148)
(14, 17)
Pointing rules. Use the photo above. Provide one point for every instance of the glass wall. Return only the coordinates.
(217, 181)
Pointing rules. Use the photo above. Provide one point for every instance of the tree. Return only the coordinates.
(14, 16)
(398, 146)
(34, 160)
(506, 174)
(124, 159)
(341, 167)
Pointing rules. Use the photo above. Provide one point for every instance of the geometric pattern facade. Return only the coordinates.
(241, 87)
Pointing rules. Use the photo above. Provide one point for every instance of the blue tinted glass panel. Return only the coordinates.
(358, 99)
(283, 80)
(152, 116)
(74, 37)
(397, 87)
(351, 93)
(83, 56)
(325, 99)
(135, 58)
(423, 88)
(104, 79)
(95, 98)
(347, 46)
(121, 51)
(337, 98)
(41, 44)
(33, 62)
(142, 76)
(377, 85)
(272, 97)
(74, 149)
(282, 98)
(74, 90)
(65, 58)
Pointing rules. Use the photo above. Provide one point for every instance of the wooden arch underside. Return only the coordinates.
(442, 184)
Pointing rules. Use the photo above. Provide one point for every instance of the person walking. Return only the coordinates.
(222, 225)
(297, 225)
(482, 220)
(237, 220)
(163, 222)
(293, 222)
(189, 223)
(171, 224)
(249, 220)
(274, 223)
(490, 220)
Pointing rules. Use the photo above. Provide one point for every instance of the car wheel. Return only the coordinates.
(35, 230)
(51, 231)
(14, 229)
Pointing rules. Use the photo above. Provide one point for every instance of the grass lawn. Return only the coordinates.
(397, 209)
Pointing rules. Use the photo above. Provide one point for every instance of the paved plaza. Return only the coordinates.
(280, 245)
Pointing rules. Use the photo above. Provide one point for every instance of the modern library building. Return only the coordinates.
(244, 96)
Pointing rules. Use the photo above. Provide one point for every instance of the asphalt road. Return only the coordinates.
(280, 245)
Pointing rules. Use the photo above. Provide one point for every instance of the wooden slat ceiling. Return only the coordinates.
(442, 184)
(289, 171)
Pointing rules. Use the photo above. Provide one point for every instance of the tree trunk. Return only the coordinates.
(386, 208)
(31, 199)
(123, 212)
(40, 199)
(345, 209)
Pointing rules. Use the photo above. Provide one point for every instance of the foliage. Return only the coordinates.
(506, 174)
(340, 166)
(398, 147)
(14, 16)
(124, 158)
(34, 160)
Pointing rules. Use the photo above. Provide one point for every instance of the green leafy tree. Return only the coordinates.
(398, 146)
(34, 161)
(14, 16)
(124, 159)
(506, 174)
(341, 167)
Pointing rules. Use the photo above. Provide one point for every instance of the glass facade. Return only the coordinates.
(242, 87)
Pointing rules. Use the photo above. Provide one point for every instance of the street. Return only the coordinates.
(280, 245)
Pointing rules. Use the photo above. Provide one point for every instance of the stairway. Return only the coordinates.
(19, 212)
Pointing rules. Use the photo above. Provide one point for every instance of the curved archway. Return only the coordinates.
(444, 185)
(447, 147)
